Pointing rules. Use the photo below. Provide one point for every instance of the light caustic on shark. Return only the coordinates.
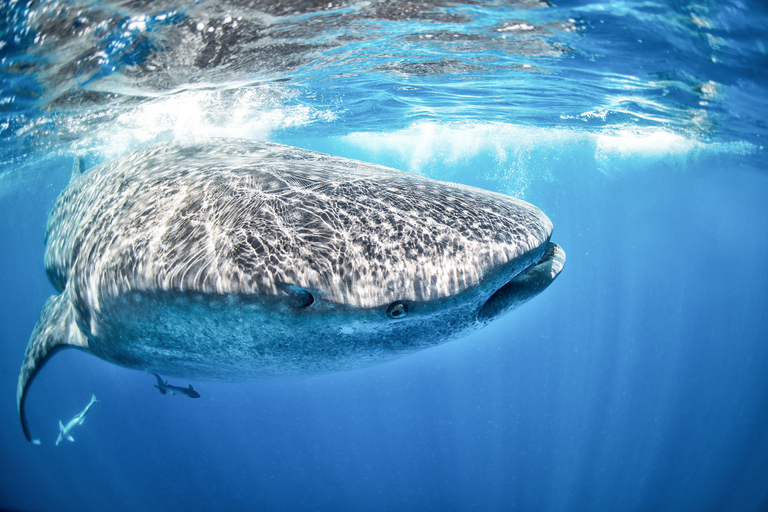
(232, 259)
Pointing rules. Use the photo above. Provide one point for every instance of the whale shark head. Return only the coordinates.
(229, 259)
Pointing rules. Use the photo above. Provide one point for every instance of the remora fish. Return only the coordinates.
(164, 388)
(232, 259)
(77, 420)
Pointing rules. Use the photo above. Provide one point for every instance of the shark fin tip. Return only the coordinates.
(52, 333)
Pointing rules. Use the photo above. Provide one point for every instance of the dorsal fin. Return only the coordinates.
(55, 329)
(78, 168)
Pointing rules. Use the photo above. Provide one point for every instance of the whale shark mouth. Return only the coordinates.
(525, 285)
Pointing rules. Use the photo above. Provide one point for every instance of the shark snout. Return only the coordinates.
(525, 285)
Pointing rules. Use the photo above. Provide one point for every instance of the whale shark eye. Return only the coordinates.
(301, 299)
(298, 297)
(397, 310)
(308, 300)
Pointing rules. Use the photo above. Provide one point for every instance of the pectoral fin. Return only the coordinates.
(55, 329)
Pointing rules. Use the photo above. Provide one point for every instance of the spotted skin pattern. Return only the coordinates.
(236, 259)
(239, 217)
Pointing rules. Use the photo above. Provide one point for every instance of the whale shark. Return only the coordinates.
(232, 259)
(64, 430)
(164, 388)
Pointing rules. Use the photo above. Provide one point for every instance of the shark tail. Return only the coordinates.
(61, 431)
(160, 384)
(55, 329)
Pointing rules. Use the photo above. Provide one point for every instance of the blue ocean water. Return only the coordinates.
(637, 381)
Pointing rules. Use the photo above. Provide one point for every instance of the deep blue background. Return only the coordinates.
(637, 381)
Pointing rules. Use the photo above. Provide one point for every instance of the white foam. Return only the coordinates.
(630, 143)
(450, 143)
(516, 155)
(248, 112)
